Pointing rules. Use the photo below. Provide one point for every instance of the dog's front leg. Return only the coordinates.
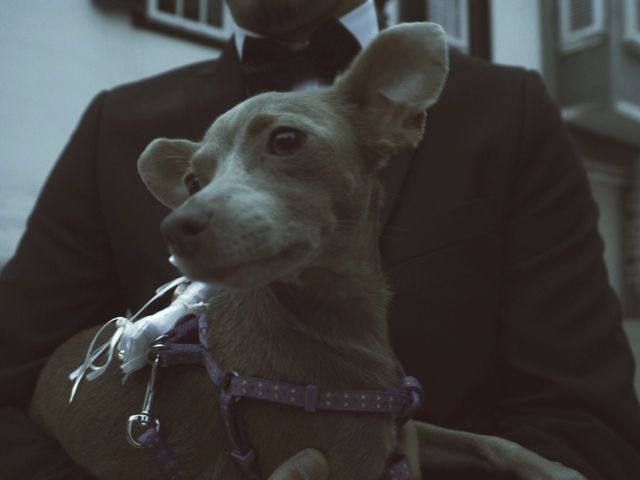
(440, 447)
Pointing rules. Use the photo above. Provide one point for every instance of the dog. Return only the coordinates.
(278, 204)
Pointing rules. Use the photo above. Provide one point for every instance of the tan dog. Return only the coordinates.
(278, 204)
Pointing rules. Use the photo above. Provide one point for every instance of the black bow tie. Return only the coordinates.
(270, 66)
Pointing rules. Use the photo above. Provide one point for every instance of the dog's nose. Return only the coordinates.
(182, 228)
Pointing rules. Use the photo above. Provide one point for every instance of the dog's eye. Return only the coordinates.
(286, 141)
(192, 183)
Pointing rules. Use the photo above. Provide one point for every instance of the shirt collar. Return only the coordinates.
(362, 22)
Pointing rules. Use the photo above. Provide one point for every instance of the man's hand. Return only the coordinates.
(308, 464)
(431, 446)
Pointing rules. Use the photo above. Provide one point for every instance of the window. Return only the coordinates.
(208, 19)
(581, 24)
(453, 16)
(632, 24)
(392, 12)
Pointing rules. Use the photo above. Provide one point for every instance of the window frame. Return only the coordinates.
(572, 41)
(632, 25)
(392, 11)
(197, 30)
(463, 42)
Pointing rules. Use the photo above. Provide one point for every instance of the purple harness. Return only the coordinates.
(187, 344)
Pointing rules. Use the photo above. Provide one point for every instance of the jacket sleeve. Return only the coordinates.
(60, 281)
(568, 370)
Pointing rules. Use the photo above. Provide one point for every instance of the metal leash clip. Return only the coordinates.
(139, 423)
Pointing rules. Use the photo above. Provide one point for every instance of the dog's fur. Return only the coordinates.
(286, 221)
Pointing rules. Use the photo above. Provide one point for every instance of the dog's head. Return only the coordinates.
(283, 180)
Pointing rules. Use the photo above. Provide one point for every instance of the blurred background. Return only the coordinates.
(58, 55)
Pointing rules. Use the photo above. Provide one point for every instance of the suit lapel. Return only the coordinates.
(393, 176)
(214, 89)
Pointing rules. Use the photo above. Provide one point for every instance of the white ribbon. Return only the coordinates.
(133, 338)
(137, 337)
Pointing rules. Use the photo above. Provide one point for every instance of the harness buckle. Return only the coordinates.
(245, 459)
(248, 462)
(310, 398)
(412, 387)
(227, 378)
(156, 347)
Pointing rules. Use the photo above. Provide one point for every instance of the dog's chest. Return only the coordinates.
(92, 429)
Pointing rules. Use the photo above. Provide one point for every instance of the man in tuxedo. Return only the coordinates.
(502, 307)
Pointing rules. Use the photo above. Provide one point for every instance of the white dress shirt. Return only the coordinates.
(362, 22)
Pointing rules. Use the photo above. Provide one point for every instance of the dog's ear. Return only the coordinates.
(162, 166)
(393, 81)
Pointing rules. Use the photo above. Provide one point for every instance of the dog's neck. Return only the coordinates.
(336, 305)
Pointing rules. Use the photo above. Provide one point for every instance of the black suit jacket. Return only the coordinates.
(502, 307)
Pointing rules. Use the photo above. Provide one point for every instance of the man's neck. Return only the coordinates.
(304, 32)
(361, 20)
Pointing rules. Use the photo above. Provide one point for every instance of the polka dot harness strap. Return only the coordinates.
(187, 343)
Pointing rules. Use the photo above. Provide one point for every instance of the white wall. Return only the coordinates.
(516, 33)
(56, 55)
